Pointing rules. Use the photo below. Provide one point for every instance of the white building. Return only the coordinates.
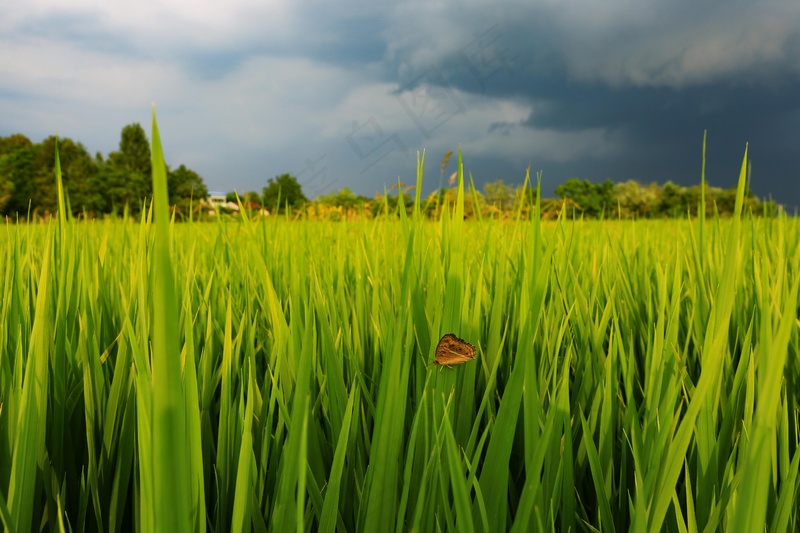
(217, 200)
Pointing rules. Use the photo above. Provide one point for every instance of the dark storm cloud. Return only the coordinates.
(656, 75)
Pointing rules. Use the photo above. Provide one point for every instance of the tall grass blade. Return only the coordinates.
(29, 437)
(172, 483)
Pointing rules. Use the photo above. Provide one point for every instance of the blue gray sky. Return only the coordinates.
(344, 94)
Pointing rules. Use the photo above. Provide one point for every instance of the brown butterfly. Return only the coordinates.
(453, 351)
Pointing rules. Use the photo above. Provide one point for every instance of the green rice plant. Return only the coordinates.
(274, 375)
(27, 399)
(171, 480)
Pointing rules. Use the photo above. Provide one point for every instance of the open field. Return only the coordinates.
(638, 376)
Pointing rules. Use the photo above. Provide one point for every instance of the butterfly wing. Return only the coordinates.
(453, 351)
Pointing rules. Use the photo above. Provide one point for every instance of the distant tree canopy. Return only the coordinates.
(499, 195)
(6, 188)
(630, 199)
(98, 186)
(128, 172)
(283, 190)
(17, 169)
(389, 203)
(134, 151)
(593, 199)
(77, 172)
(341, 205)
(95, 186)
(186, 189)
(251, 198)
(345, 198)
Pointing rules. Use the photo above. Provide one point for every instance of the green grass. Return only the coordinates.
(272, 375)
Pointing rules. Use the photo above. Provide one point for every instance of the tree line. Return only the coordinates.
(575, 198)
(95, 186)
(98, 186)
(630, 199)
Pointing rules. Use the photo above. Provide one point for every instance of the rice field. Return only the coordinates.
(276, 375)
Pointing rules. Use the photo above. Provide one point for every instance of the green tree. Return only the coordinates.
(248, 198)
(13, 143)
(253, 198)
(129, 179)
(17, 170)
(672, 202)
(287, 190)
(112, 185)
(251, 201)
(593, 199)
(6, 189)
(185, 189)
(636, 201)
(344, 198)
(77, 172)
(499, 195)
(134, 150)
(725, 199)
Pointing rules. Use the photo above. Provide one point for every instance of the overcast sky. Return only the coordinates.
(344, 94)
